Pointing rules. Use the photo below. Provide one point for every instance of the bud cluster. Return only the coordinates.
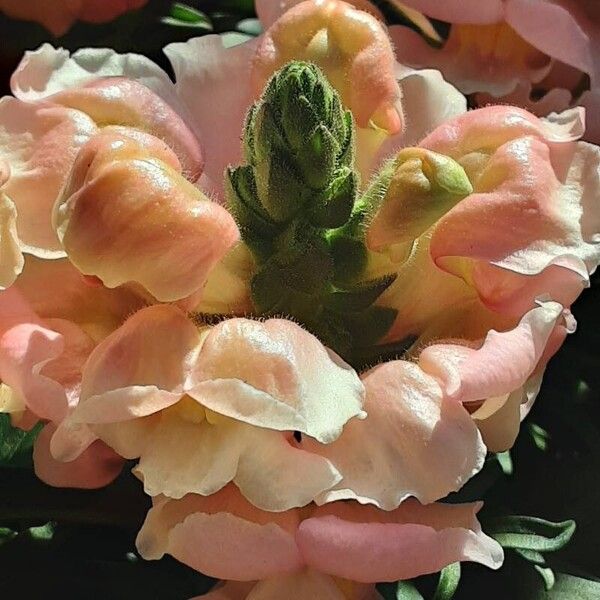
(293, 201)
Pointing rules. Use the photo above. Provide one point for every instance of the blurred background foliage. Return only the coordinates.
(75, 544)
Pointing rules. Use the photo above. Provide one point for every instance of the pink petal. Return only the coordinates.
(275, 374)
(55, 289)
(410, 429)
(460, 11)
(204, 70)
(58, 16)
(306, 584)
(96, 467)
(502, 364)
(222, 536)
(363, 544)
(127, 215)
(475, 58)
(560, 29)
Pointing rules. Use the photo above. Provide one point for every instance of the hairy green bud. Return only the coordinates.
(295, 203)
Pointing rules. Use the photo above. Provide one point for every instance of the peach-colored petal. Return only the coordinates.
(269, 11)
(39, 142)
(222, 536)
(204, 70)
(363, 544)
(229, 590)
(127, 215)
(300, 586)
(414, 442)
(55, 289)
(351, 46)
(275, 374)
(122, 101)
(59, 15)
(96, 467)
(155, 348)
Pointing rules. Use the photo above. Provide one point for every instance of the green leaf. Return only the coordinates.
(568, 587)
(530, 533)
(6, 535)
(448, 583)
(547, 575)
(15, 444)
(505, 461)
(407, 591)
(44, 533)
(540, 436)
(183, 12)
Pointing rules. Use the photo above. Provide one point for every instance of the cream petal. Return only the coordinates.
(275, 374)
(275, 475)
(11, 257)
(50, 70)
(184, 457)
(410, 429)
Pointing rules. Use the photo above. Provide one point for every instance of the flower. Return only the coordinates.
(535, 54)
(203, 407)
(337, 551)
(531, 181)
(59, 15)
(40, 368)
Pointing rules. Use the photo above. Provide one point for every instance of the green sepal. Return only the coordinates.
(360, 297)
(332, 207)
(349, 256)
(530, 533)
(369, 326)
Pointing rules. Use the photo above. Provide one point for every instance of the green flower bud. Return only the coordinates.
(299, 140)
(295, 203)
